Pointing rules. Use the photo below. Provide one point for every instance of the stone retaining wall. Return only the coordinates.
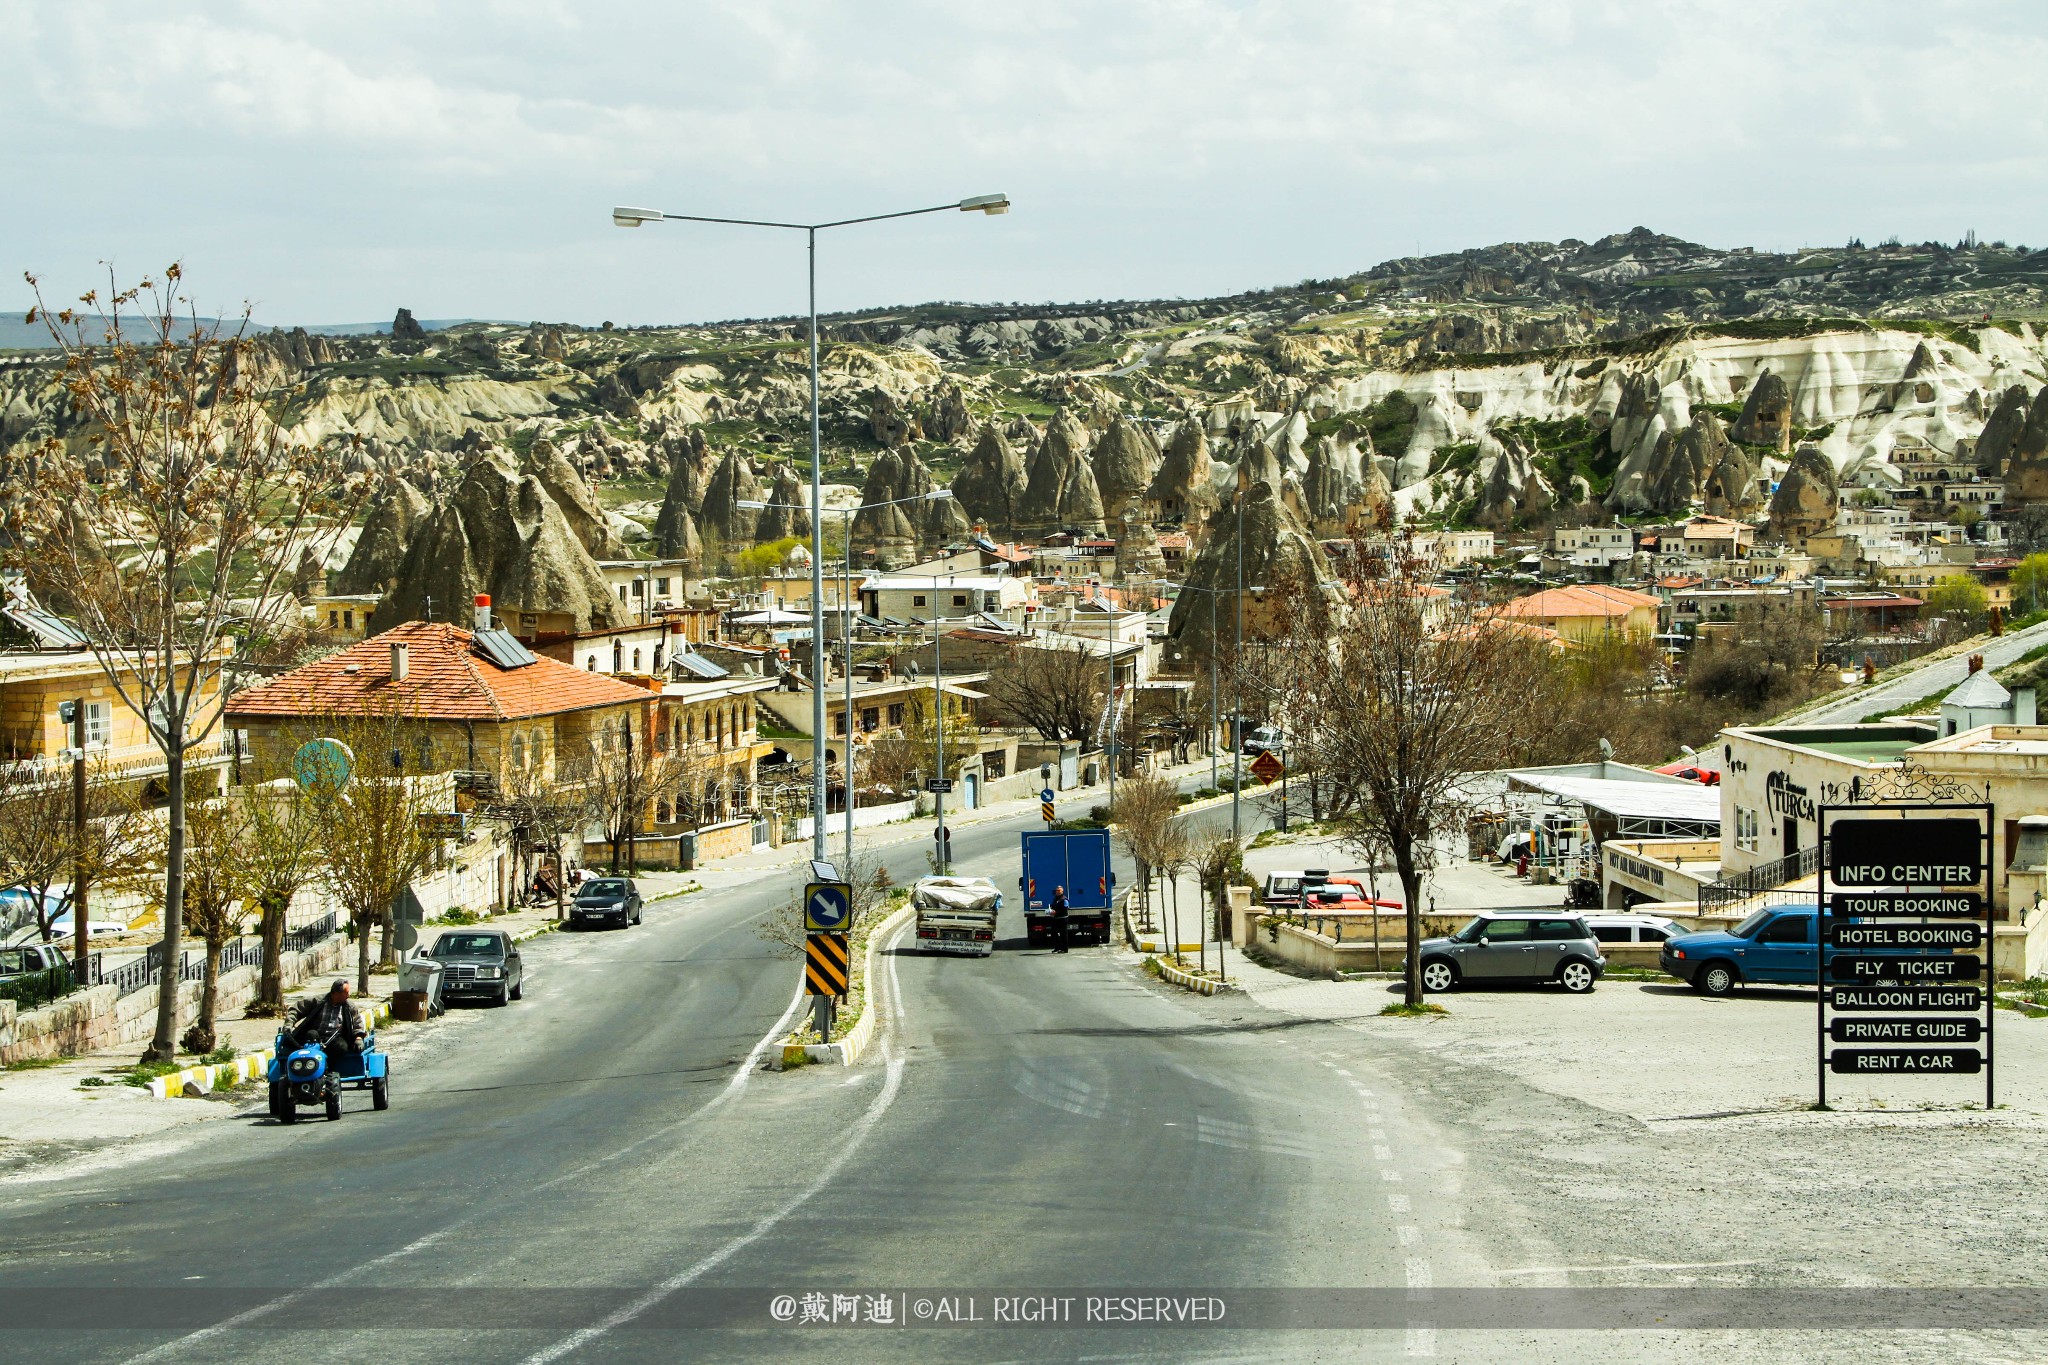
(93, 1019)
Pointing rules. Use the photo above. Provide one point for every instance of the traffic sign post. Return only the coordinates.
(1045, 804)
(825, 958)
(1905, 932)
(1266, 767)
(828, 908)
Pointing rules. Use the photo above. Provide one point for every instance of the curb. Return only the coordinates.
(856, 1042)
(848, 1050)
(1200, 985)
(201, 1080)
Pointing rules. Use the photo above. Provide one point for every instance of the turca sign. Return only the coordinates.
(1905, 939)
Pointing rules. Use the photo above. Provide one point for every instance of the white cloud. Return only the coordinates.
(335, 158)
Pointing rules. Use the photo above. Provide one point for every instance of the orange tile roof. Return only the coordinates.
(1582, 599)
(444, 680)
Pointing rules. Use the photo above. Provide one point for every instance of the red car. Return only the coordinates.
(1691, 772)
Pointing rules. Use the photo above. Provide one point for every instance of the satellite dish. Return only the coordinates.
(1606, 749)
(323, 766)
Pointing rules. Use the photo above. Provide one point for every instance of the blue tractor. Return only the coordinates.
(315, 1073)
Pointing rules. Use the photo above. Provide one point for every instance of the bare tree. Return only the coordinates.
(167, 520)
(1143, 821)
(217, 833)
(1055, 690)
(1217, 862)
(869, 881)
(282, 857)
(372, 846)
(892, 759)
(1414, 699)
(41, 844)
(621, 779)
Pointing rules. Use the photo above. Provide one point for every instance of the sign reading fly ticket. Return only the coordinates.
(828, 908)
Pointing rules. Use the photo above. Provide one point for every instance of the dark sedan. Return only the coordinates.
(606, 900)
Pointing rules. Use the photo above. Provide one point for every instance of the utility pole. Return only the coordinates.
(1237, 662)
(78, 878)
(939, 710)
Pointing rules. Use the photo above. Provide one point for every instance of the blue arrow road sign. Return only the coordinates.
(828, 908)
(1045, 795)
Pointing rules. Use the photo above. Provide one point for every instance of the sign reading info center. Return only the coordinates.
(1903, 905)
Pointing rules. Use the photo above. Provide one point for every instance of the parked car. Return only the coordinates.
(1691, 772)
(1625, 928)
(1259, 739)
(30, 958)
(1511, 946)
(606, 900)
(1776, 945)
(479, 964)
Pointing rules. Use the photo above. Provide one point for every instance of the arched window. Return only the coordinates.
(519, 751)
(618, 657)
(591, 663)
(657, 658)
(636, 661)
(690, 727)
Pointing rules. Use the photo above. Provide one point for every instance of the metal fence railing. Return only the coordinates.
(1746, 886)
(306, 935)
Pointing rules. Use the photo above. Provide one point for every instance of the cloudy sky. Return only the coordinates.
(331, 162)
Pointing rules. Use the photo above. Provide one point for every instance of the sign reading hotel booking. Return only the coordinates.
(1905, 938)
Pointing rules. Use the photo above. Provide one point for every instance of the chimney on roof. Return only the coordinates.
(1976, 662)
(483, 611)
(401, 660)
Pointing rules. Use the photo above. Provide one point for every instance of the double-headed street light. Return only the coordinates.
(846, 515)
(632, 218)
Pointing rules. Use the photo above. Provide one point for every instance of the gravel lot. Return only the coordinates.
(1646, 1136)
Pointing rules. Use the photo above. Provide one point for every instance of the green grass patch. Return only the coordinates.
(34, 1063)
(1422, 1009)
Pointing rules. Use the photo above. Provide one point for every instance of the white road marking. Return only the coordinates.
(1382, 1154)
(1418, 1273)
(826, 1175)
(1391, 1177)
(1420, 1341)
(1627, 1265)
(1409, 1235)
(1398, 1203)
(263, 1310)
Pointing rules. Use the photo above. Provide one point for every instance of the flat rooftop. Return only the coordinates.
(1856, 743)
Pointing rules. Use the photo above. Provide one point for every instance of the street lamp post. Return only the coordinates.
(846, 516)
(631, 218)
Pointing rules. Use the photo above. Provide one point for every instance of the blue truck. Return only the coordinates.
(1077, 859)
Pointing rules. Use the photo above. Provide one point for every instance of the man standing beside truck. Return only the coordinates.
(1059, 919)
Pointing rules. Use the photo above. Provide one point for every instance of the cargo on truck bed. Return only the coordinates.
(956, 914)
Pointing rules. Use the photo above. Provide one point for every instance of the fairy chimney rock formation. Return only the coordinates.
(499, 532)
(1766, 418)
(1807, 498)
(1183, 489)
(1125, 459)
(1059, 488)
(380, 551)
(990, 484)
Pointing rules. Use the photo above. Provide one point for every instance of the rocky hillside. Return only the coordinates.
(1503, 386)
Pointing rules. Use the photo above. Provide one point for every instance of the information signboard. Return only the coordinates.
(1907, 915)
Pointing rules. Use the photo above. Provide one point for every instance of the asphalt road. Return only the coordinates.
(594, 1174)
(1856, 703)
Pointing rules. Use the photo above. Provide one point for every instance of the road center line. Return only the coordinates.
(263, 1310)
(826, 1175)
